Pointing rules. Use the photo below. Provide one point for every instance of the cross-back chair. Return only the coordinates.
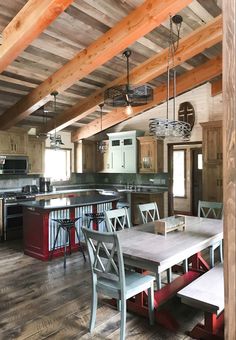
(110, 278)
(212, 210)
(149, 212)
(117, 219)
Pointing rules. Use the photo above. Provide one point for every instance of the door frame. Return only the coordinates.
(170, 148)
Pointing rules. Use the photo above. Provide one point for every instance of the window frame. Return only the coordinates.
(70, 166)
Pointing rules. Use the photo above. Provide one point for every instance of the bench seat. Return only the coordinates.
(207, 293)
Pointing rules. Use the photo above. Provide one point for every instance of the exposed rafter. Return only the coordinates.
(138, 23)
(185, 82)
(32, 19)
(204, 37)
(216, 87)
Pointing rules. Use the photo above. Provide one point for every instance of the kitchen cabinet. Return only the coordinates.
(141, 198)
(123, 152)
(102, 159)
(212, 174)
(13, 142)
(85, 156)
(36, 153)
(150, 154)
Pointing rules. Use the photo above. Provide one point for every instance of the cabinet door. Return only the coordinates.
(6, 146)
(88, 151)
(19, 142)
(146, 156)
(212, 144)
(102, 159)
(36, 152)
(212, 189)
(116, 160)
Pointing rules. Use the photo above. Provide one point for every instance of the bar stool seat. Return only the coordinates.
(66, 224)
(97, 217)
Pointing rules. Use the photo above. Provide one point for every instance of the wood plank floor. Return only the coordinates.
(41, 300)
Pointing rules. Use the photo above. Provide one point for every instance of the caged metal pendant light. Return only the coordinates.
(171, 128)
(128, 95)
(101, 145)
(55, 140)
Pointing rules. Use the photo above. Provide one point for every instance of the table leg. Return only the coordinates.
(211, 329)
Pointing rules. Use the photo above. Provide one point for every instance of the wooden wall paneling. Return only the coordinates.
(229, 161)
(189, 46)
(139, 22)
(27, 25)
(185, 82)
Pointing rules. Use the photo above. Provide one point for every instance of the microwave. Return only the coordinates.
(15, 165)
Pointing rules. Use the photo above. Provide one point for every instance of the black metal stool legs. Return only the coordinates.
(80, 246)
(55, 241)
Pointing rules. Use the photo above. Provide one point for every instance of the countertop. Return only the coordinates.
(61, 203)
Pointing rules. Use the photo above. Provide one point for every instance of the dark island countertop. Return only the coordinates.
(71, 202)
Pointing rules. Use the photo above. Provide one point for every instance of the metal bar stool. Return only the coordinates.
(66, 224)
(97, 217)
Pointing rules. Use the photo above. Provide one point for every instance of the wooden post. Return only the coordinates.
(229, 152)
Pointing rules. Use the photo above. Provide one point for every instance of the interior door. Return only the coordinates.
(196, 179)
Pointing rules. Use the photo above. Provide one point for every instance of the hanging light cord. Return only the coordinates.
(173, 46)
(101, 112)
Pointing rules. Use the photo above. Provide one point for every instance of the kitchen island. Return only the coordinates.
(39, 227)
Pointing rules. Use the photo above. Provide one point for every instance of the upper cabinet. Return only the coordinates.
(150, 152)
(85, 156)
(123, 152)
(212, 177)
(102, 158)
(36, 153)
(13, 142)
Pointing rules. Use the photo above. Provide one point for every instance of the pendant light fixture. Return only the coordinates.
(101, 145)
(171, 128)
(55, 140)
(128, 95)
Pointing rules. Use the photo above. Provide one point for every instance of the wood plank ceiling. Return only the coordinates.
(79, 30)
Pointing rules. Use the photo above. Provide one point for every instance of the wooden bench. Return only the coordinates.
(207, 294)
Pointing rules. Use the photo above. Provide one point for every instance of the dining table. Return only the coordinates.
(147, 251)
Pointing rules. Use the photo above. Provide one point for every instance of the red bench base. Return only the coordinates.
(213, 328)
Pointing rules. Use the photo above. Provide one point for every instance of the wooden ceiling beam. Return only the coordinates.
(185, 82)
(138, 23)
(196, 42)
(216, 87)
(32, 19)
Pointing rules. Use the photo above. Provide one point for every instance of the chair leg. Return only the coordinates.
(221, 252)
(123, 319)
(93, 308)
(80, 246)
(65, 242)
(68, 233)
(185, 266)
(118, 305)
(54, 243)
(158, 280)
(212, 260)
(169, 275)
(151, 304)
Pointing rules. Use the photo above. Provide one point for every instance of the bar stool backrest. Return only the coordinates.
(117, 219)
(149, 212)
(210, 209)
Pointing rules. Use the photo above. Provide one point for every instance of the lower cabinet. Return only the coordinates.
(36, 153)
(137, 199)
(212, 182)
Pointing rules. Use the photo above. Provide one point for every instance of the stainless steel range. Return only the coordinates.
(11, 226)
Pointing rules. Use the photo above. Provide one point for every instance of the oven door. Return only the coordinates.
(13, 221)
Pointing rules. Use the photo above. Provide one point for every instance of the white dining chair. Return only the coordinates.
(212, 210)
(148, 212)
(117, 219)
(110, 278)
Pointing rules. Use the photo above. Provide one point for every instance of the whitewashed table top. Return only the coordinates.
(148, 250)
